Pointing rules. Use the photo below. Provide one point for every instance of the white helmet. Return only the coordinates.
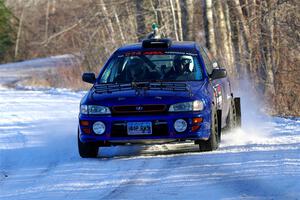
(190, 60)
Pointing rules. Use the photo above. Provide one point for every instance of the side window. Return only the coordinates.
(207, 62)
(111, 71)
(197, 70)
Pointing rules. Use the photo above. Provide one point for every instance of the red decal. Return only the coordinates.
(133, 53)
(219, 88)
(153, 53)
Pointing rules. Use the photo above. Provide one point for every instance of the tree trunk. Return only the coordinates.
(254, 14)
(140, 19)
(179, 19)
(47, 20)
(225, 53)
(131, 28)
(174, 20)
(245, 45)
(268, 40)
(19, 33)
(187, 8)
(234, 24)
(119, 26)
(108, 21)
(166, 18)
(210, 27)
(154, 8)
(229, 38)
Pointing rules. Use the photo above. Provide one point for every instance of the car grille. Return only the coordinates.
(138, 109)
(159, 128)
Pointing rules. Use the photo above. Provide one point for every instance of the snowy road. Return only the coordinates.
(39, 159)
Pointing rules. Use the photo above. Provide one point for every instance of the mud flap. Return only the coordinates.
(219, 115)
(237, 104)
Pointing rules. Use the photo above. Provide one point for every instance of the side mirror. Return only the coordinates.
(89, 77)
(215, 65)
(218, 73)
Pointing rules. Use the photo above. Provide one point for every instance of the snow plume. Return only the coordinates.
(256, 124)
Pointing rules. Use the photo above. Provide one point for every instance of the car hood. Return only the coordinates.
(150, 96)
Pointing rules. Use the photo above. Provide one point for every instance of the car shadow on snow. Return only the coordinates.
(148, 150)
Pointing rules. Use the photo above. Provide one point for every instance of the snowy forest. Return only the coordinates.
(149, 138)
(255, 40)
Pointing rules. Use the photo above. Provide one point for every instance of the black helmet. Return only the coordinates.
(182, 63)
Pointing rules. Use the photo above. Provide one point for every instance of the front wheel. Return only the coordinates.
(87, 150)
(213, 142)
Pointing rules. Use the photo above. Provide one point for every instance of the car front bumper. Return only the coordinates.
(162, 128)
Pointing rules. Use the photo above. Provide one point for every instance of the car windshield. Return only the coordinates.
(152, 66)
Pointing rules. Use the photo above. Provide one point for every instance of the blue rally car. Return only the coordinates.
(157, 91)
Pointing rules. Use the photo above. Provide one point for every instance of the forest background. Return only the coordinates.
(255, 40)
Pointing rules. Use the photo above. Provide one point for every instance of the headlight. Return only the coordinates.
(196, 105)
(98, 110)
(94, 110)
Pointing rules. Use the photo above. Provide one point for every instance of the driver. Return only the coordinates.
(138, 71)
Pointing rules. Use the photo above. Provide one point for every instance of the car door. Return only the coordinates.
(221, 86)
(226, 94)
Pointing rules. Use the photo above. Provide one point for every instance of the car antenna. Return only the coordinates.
(155, 32)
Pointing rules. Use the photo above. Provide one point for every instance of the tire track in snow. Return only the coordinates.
(165, 167)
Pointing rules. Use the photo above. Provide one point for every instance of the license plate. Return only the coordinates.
(139, 128)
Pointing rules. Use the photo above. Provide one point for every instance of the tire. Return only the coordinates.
(238, 115)
(87, 150)
(213, 142)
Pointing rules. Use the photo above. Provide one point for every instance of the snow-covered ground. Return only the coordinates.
(39, 159)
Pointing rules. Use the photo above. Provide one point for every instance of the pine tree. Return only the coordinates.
(6, 30)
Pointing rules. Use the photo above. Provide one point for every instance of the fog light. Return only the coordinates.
(99, 128)
(180, 125)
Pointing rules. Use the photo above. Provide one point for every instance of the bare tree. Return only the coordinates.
(224, 51)
(140, 19)
(19, 33)
(210, 26)
(179, 19)
(187, 7)
(174, 20)
(249, 36)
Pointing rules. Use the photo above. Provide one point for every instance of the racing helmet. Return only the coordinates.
(183, 63)
(188, 62)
